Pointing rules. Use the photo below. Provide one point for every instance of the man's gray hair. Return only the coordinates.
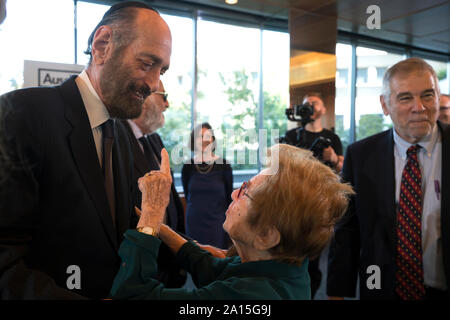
(405, 67)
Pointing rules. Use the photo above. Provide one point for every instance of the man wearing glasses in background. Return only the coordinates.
(444, 108)
(146, 147)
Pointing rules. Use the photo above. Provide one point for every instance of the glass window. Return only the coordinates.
(369, 115)
(441, 70)
(361, 75)
(32, 31)
(88, 16)
(343, 100)
(275, 70)
(380, 73)
(178, 84)
(228, 89)
(342, 76)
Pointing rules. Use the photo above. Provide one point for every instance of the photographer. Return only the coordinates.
(324, 143)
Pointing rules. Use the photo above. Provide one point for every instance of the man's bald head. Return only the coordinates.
(121, 18)
(128, 56)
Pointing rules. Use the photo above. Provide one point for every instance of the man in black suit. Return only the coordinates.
(396, 233)
(64, 211)
(146, 145)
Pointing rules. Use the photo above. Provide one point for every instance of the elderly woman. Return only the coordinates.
(276, 221)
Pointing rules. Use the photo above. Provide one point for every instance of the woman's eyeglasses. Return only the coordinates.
(163, 93)
(242, 190)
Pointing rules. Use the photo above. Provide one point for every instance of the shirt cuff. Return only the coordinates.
(142, 240)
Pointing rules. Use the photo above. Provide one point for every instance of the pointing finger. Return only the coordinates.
(165, 163)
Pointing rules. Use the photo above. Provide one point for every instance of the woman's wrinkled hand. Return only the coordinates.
(155, 188)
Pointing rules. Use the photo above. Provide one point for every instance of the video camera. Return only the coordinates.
(301, 112)
(319, 145)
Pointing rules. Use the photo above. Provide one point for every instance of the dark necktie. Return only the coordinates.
(409, 275)
(155, 147)
(149, 154)
(108, 141)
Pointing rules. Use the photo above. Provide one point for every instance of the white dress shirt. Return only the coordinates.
(430, 163)
(96, 110)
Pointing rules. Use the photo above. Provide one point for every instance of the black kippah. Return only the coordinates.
(116, 7)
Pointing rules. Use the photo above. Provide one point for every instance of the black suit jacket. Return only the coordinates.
(142, 166)
(367, 234)
(170, 272)
(55, 213)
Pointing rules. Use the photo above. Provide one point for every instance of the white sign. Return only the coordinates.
(47, 74)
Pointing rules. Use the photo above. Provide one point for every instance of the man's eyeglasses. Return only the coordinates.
(163, 93)
(242, 192)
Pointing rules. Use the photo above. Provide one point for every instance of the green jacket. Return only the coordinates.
(222, 279)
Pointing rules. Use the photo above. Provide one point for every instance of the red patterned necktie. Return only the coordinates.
(409, 275)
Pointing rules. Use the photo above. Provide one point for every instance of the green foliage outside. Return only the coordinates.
(242, 117)
(441, 74)
(369, 124)
(176, 126)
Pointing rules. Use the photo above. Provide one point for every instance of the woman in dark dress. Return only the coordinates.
(208, 184)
